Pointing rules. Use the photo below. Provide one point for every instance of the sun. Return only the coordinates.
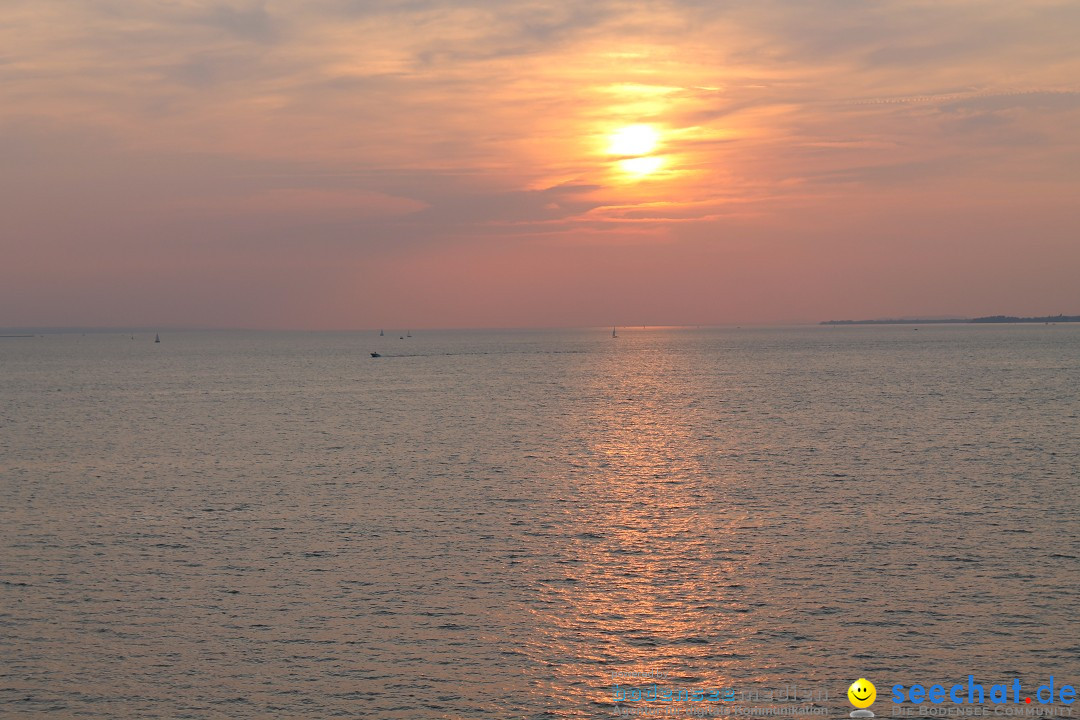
(633, 140)
(634, 148)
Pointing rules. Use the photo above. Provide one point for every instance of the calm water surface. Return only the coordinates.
(487, 525)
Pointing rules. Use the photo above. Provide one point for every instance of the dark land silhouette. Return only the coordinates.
(953, 321)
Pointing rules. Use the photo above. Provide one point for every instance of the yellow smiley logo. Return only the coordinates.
(862, 693)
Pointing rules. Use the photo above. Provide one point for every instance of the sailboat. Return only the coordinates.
(408, 333)
(613, 332)
(380, 333)
(157, 338)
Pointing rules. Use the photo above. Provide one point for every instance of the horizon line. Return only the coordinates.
(209, 328)
(898, 320)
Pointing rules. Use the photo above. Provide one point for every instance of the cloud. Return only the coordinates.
(372, 132)
(250, 21)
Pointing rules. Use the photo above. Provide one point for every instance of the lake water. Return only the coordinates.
(489, 524)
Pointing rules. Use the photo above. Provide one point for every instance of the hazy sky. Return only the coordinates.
(417, 163)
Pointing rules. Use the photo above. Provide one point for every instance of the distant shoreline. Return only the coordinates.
(990, 319)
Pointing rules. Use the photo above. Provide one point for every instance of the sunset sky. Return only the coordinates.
(417, 163)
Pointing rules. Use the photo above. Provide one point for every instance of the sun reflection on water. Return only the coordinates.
(644, 579)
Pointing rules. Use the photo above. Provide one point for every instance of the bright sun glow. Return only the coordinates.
(633, 140)
(641, 165)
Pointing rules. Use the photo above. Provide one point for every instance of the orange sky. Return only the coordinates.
(348, 164)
